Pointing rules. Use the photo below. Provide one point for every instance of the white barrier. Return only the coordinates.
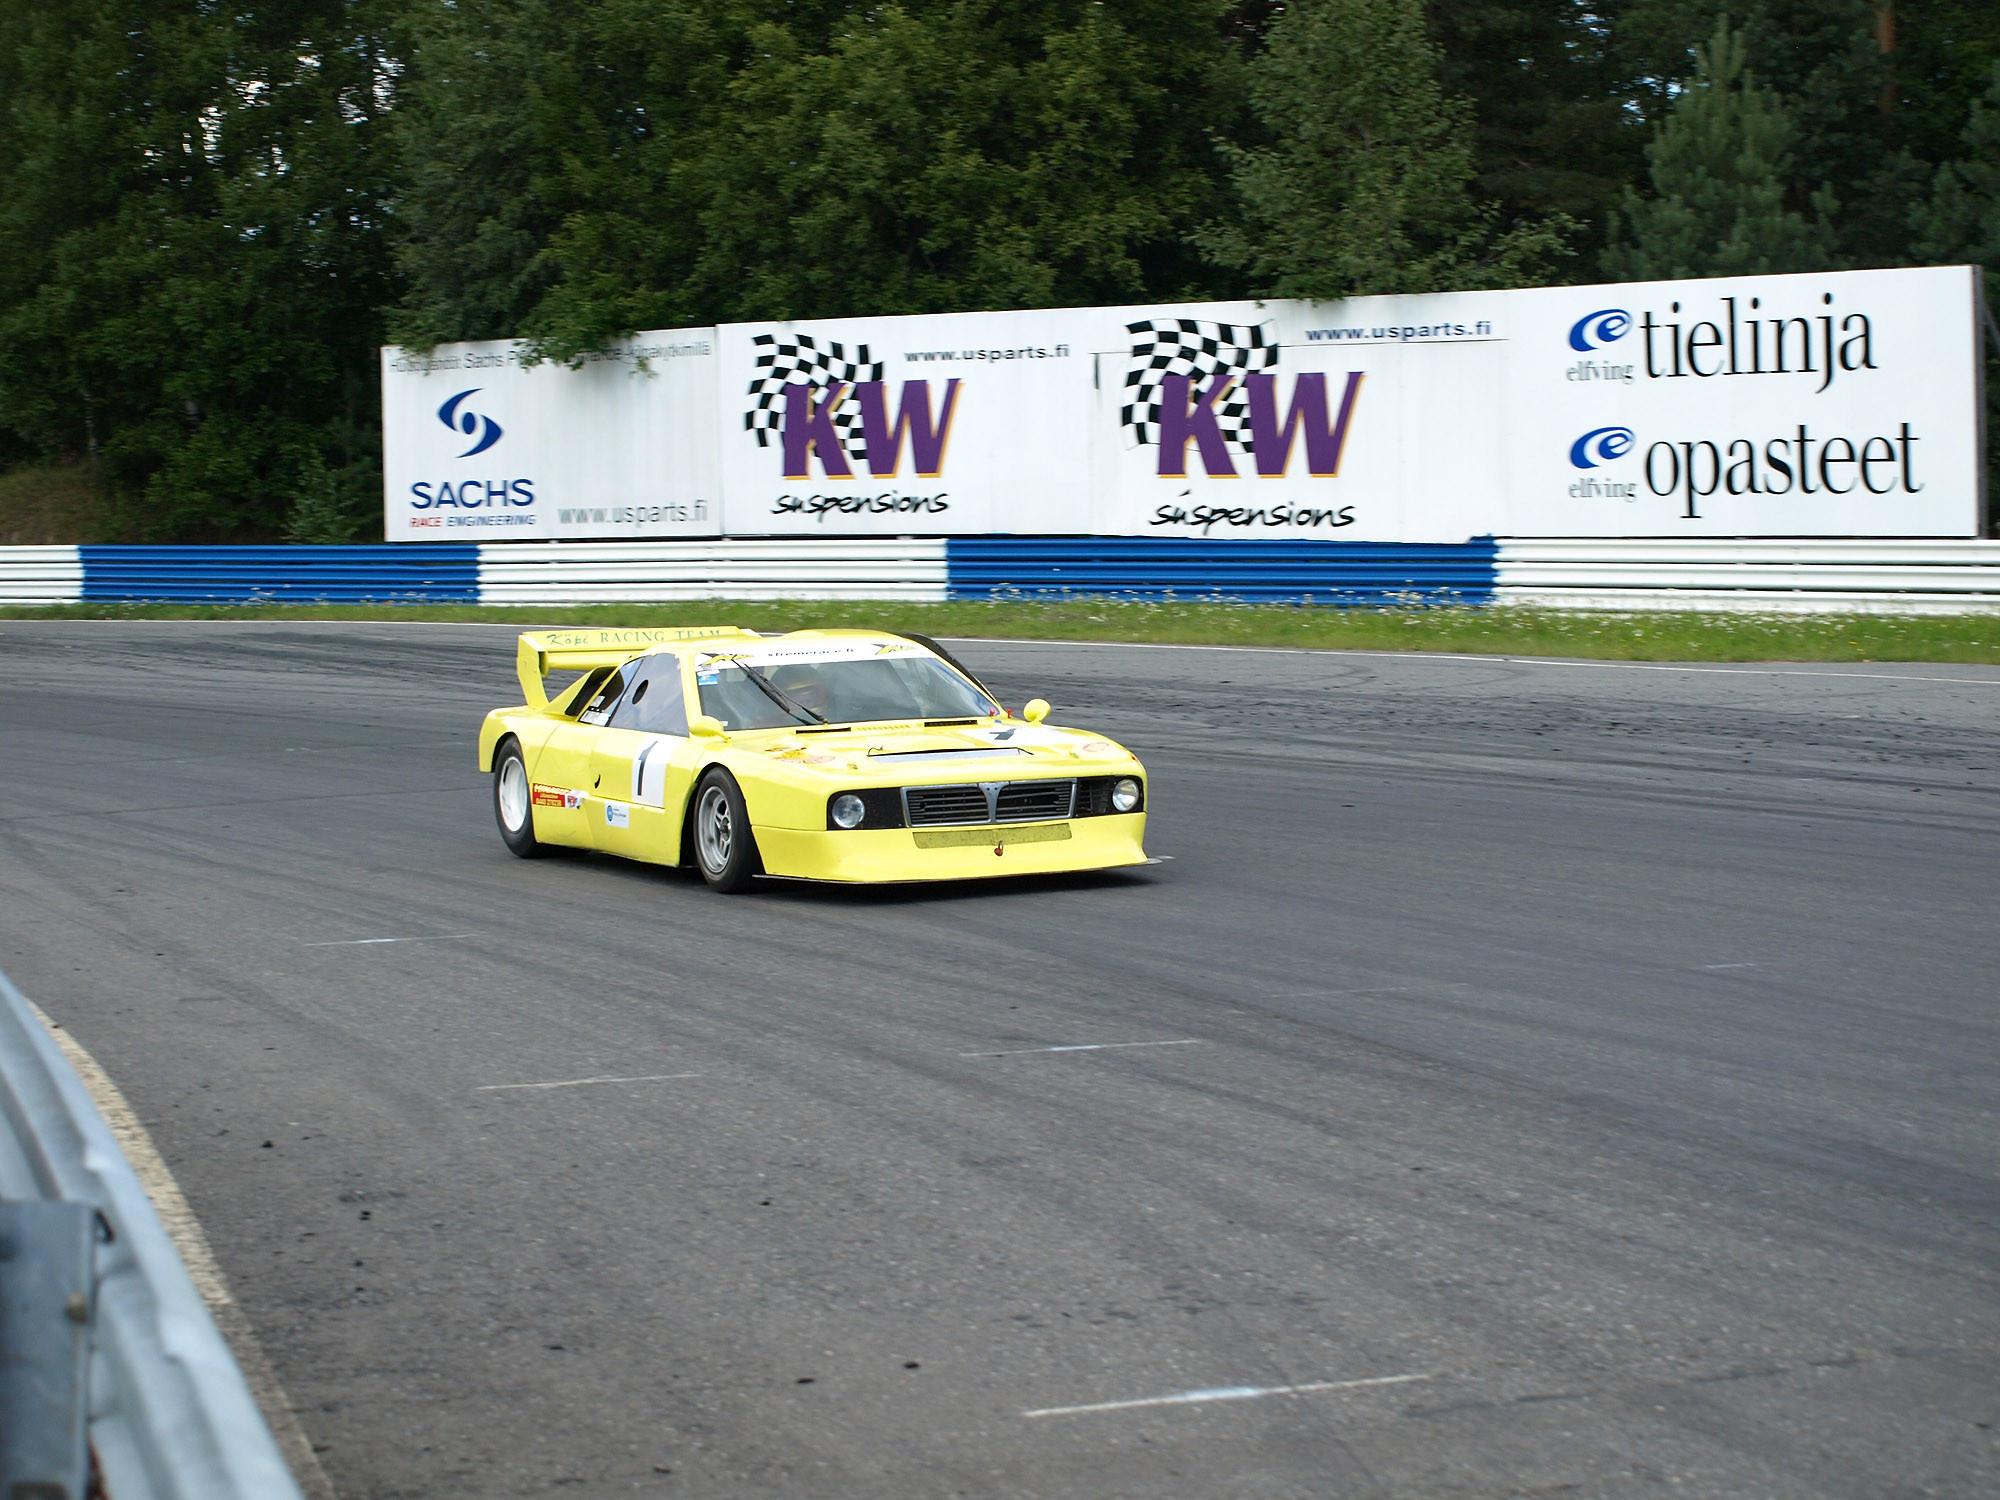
(40, 575)
(657, 572)
(1871, 576)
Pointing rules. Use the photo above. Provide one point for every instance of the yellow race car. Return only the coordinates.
(846, 755)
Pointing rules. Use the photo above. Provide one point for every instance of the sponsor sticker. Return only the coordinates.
(617, 815)
(556, 796)
(807, 651)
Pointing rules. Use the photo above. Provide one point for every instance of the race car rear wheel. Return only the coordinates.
(512, 804)
(724, 847)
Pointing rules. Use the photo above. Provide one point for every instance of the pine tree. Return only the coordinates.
(1552, 129)
(1961, 224)
(471, 141)
(1367, 185)
(1719, 167)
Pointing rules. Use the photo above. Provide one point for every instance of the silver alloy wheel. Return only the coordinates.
(513, 794)
(713, 830)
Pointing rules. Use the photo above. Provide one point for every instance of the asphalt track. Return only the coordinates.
(1572, 1080)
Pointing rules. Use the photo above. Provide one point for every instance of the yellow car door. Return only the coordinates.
(641, 763)
(559, 777)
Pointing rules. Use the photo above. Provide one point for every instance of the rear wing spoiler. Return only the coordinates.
(544, 651)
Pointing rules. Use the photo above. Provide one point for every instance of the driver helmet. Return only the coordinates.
(802, 685)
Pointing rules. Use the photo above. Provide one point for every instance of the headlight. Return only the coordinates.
(1124, 794)
(848, 810)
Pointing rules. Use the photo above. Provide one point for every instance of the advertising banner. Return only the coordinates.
(478, 447)
(1844, 404)
(1137, 421)
(1371, 420)
(1834, 405)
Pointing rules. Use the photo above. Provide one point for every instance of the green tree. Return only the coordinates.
(1961, 224)
(1876, 90)
(1554, 130)
(470, 223)
(1961, 221)
(1719, 165)
(580, 171)
(1366, 186)
(191, 254)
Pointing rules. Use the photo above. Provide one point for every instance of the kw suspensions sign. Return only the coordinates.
(1835, 405)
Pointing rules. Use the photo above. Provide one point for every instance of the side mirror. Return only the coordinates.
(1036, 711)
(706, 727)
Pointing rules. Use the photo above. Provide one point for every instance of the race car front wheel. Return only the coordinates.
(724, 847)
(512, 808)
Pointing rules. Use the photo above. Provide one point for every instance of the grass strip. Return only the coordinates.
(1499, 630)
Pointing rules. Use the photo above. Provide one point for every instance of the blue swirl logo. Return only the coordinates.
(1594, 330)
(1601, 445)
(467, 423)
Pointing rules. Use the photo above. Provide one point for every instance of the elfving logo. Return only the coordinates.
(1594, 330)
(469, 423)
(1601, 445)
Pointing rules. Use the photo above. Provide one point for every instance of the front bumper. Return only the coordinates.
(966, 852)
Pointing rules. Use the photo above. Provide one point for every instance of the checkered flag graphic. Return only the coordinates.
(801, 360)
(1200, 351)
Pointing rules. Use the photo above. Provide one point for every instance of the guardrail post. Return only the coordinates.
(45, 1309)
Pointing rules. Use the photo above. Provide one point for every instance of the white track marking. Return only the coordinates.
(1226, 1393)
(1729, 966)
(1519, 661)
(1082, 1047)
(442, 937)
(188, 1239)
(571, 1083)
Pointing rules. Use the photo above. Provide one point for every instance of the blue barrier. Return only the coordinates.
(425, 574)
(1263, 571)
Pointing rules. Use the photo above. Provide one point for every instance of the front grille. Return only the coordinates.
(946, 804)
(1013, 802)
(1034, 801)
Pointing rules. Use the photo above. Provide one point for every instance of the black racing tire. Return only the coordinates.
(725, 850)
(513, 801)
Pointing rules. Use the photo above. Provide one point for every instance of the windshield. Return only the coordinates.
(840, 692)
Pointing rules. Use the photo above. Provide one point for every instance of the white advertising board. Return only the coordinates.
(478, 447)
(1834, 405)
(1065, 421)
(1845, 404)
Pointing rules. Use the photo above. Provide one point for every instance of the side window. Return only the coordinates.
(599, 708)
(578, 694)
(653, 705)
(664, 711)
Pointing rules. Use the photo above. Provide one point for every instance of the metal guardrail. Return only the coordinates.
(441, 573)
(1892, 575)
(738, 568)
(1291, 570)
(40, 575)
(1880, 574)
(170, 1416)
